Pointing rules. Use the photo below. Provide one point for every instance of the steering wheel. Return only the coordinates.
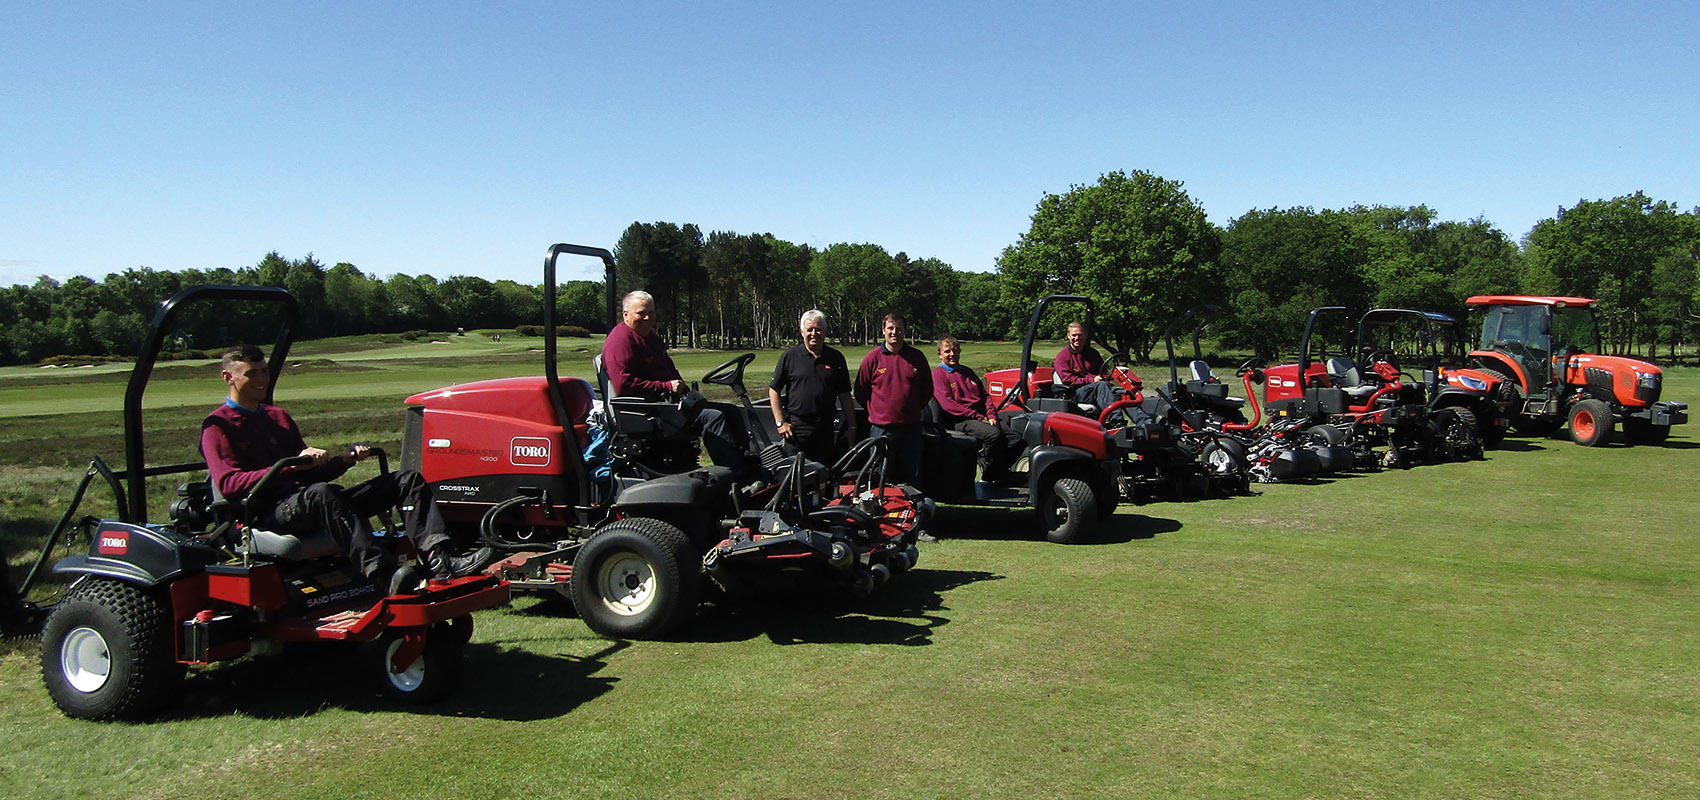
(731, 372)
(1249, 365)
(1117, 369)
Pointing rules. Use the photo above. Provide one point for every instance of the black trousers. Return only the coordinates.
(816, 438)
(998, 446)
(343, 512)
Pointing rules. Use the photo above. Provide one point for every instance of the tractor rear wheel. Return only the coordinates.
(1591, 423)
(106, 652)
(1067, 510)
(635, 579)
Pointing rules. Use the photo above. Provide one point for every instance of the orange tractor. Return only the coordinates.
(1546, 350)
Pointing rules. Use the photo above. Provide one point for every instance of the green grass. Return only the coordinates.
(1523, 626)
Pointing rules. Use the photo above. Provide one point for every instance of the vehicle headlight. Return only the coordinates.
(1473, 382)
(1647, 380)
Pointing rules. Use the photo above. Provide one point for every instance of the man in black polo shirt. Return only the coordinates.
(812, 378)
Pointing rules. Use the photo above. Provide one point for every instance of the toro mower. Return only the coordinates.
(1545, 352)
(1376, 404)
(1078, 461)
(600, 499)
(146, 599)
(1212, 422)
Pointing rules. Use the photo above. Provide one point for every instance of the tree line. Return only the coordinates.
(1135, 243)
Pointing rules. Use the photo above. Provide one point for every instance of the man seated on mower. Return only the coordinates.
(1079, 374)
(962, 399)
(637, 364)
(244, 437)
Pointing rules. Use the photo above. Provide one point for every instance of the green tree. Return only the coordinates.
(1605, 249)
(1136, 244)
(1278, 265)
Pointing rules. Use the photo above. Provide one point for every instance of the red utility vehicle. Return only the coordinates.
(1546, 351)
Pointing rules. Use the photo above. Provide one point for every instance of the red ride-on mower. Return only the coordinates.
(610, 510)
(1212, 422)
(1430, 420)
(147, 599)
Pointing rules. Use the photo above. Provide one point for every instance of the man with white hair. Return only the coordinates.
(637, 364)
(809, 380)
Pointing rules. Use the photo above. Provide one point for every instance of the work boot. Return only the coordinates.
(445, 565)
(407, 579)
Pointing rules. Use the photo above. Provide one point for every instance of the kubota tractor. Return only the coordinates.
(1546, 351)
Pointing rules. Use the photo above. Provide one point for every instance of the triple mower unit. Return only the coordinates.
(1439, 417)
(147, 599)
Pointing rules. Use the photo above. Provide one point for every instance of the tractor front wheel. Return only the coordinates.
(106, 652)
(1591, 423)
(1067, 510)
(635, 579)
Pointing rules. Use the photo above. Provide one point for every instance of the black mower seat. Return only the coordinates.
(1345, 372)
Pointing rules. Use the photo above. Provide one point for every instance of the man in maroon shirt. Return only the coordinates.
(1078, 371)
(245, 436)
(894, 383)
(637, 364)
(962, 399)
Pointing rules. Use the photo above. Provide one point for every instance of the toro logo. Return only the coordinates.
(113, 543)
(529, 451)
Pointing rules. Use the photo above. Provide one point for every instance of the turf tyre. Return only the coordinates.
(635, 579)
(106, 652)
(1591, 423)
(1067, 510)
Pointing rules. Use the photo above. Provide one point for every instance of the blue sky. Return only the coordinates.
(464, 138)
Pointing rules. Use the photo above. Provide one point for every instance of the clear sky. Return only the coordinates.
(465, 137)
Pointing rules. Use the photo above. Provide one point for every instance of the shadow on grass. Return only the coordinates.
(497, 683)
(1511, 445)
(983, 523)
(900, 613)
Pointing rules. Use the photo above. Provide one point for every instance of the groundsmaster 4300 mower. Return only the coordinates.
(600, 498)
(1546, 351)
(145, 599)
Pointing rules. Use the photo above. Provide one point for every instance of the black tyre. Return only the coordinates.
(1640, 431)
(1459, 435)
(1224, 458)
(106, 652)
(635, 579)
(1067, 510)
(1591, 423)
(431, 674)
(1327, 434)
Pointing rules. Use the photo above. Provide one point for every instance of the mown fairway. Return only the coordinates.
(1515, 627)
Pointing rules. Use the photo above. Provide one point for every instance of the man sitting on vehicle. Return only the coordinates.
(637, 364)
(244, 437)
(962, 398)
(1078, 372)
